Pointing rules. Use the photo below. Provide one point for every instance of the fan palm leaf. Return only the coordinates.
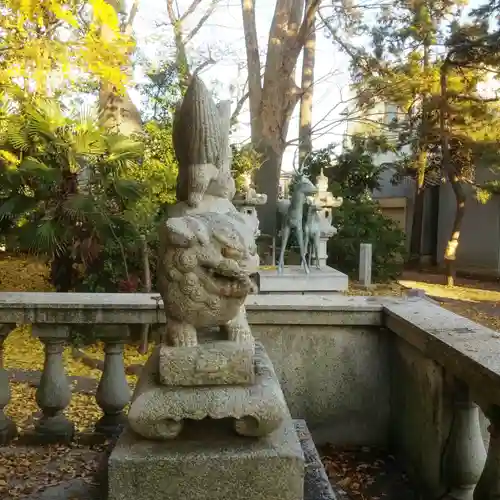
(127, 190)
(45, 236)
(17, 135)
(67, 179)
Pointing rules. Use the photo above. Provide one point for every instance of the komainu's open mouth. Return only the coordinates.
(218, 274)
(228, 281)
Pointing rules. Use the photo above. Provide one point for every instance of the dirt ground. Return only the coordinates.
(475, 299)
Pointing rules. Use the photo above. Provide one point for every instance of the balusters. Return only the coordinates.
(113, 392)
(488, 487)
(54, 392)
(465, 454)
(8, 429)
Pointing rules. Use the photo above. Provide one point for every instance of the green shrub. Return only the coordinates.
(120, 266)
(364, 223)
(64, 188)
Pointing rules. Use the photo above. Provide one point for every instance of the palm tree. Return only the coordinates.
(64, 190)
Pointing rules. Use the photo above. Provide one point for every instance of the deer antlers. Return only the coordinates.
(299, 169)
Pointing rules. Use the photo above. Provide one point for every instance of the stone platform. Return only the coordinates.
(294, 280)
(316, 483)
(208, 461)
(125, 467)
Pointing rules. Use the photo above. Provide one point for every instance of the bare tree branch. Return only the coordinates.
(177, 21)
(462, 97)
(202, 21)
(307, 26)
(239, 105)
(171, 13)
(204, 64)
(190, 10)
(127, 28)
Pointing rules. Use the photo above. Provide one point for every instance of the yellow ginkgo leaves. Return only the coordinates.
(47, 41)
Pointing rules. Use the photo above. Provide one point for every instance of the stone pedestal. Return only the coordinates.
(208, 462)
(294, 280)
(159, 412)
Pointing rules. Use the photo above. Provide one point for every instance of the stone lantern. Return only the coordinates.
(327, 202)
(246, 202)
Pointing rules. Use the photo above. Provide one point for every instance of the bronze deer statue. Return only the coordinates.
(292, 214)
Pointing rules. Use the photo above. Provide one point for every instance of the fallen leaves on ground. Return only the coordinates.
(25, 352)
(25, 470)
(383, 289)
(22, 405)
(23, 274)
(462, 293)
(83, 409)
(366, 474)
(481, 305)
(21, 349)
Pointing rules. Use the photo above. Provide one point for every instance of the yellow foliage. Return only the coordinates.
(21, 349)
(104, 14)
(23, 275)
(42, 39)
(83, 410)
(22, 405)
(25, 352)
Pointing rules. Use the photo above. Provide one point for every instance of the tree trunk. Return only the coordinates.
(435, 193)
(418, 210)
(416, 228)
(306, 101)
(117, 112)
(273, 98)
(450, 253)
(62, 272)
(268, 175)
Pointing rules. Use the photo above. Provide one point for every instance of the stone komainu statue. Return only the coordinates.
(207, 248)
(201, 143)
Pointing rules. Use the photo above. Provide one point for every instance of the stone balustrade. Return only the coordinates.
(435, 375)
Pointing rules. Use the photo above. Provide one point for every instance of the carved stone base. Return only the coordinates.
(111, 425)
(54, 429)
(158, 412)
(208, 462)
(212, 363)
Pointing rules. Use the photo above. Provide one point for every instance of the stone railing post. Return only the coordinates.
(8, 429)
(465, 455)
(113, 392)
(488, 487)
(54, 392)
